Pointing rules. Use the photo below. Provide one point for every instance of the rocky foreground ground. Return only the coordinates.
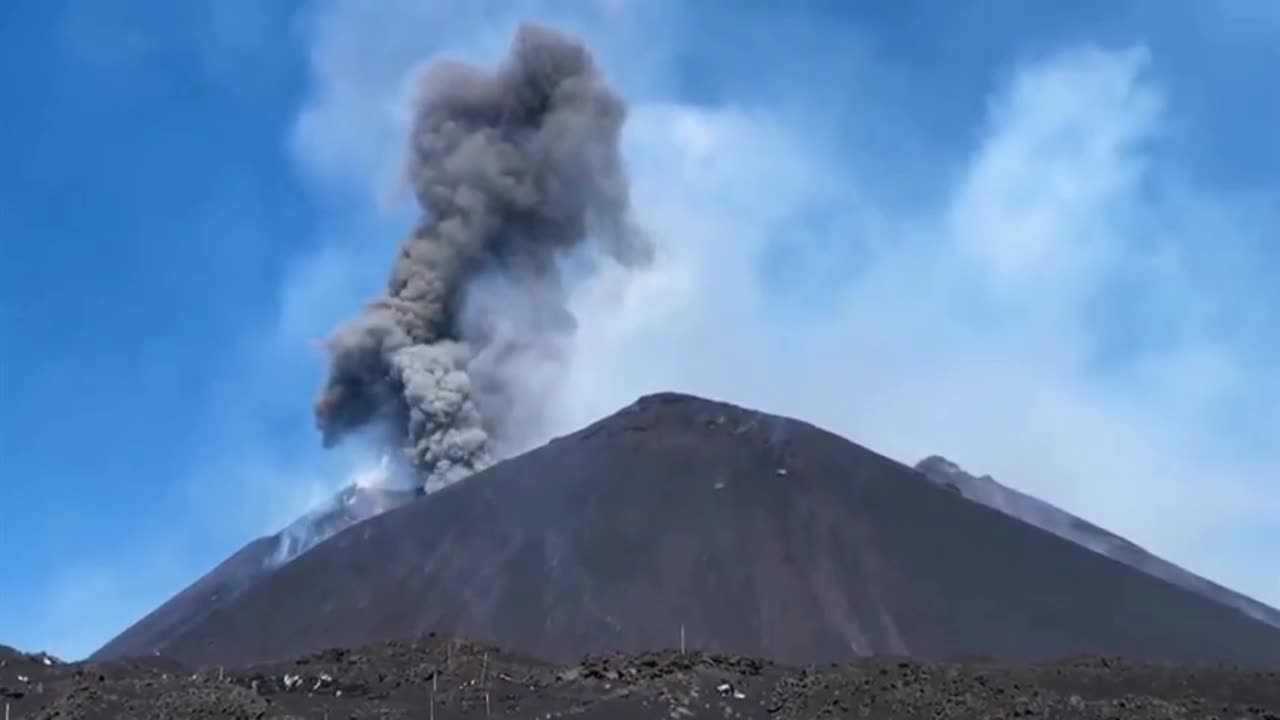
(438, 678)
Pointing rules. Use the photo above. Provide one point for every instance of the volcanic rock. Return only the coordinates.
(444, 678)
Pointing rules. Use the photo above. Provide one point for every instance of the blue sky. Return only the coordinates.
(1036, 238)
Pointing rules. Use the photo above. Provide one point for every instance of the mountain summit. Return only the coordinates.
(679, 519)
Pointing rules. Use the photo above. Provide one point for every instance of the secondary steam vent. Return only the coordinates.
(512, 168)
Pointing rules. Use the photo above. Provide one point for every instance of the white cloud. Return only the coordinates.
(987, 327)
(1036, 212)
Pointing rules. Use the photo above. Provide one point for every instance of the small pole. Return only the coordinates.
(219, 673)
(484, 669)
(6, 711)
(682, 639)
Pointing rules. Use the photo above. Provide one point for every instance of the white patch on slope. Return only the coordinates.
(373, 490)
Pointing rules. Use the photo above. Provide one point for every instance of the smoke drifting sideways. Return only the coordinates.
(513, 169)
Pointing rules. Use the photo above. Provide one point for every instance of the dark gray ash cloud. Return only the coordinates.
(512, 168)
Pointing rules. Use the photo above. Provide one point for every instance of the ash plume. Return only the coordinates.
(512, 169)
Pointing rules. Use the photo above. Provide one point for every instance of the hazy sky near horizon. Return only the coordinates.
(1031, 236)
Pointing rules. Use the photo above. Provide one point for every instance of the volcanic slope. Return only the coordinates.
(745, 533)
(247, 566)
(1043, 515)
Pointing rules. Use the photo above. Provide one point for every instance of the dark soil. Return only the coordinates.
(757, 535)
(439, 678)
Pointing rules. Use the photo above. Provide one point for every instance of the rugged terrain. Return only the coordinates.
(438, 678)
(745, 533)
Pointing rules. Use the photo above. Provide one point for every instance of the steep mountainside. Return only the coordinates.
(741, 532)
(247, 566)
(989, 492)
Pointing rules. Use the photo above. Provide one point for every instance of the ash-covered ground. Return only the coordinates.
(435, 677)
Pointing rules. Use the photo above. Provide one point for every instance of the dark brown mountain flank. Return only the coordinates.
(984, 489)
(247, 566)
(442, 679)
(746, 533)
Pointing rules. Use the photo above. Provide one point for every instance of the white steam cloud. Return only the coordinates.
(1060, 306)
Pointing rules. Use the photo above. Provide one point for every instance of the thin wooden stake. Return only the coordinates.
(681, 639)
(484, 669)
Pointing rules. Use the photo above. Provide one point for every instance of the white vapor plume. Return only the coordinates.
(370, 488)
(1059, 311)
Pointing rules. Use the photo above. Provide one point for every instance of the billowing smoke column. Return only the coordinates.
(512, 169)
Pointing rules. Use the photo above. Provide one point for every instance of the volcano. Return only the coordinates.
(680, 520)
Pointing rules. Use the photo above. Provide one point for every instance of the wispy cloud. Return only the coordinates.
(1070, 310)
